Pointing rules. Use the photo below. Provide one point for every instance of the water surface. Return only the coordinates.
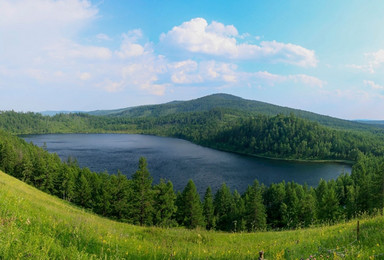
(179, 160)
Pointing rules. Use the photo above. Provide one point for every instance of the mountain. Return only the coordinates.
(376, 123)
(232, 104)
(35, 225)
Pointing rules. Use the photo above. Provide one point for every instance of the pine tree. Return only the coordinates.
(66, 183)
(329, 207)
(307, 209)
(292, 202)
(208, 210)
(350, 204)
(142, 201)
(103, 198)
(238, 213)
(274, 198)
(224, 208)
(190, 207)
(83, 191)
(255, 211)
(122, 198)
(164, 204)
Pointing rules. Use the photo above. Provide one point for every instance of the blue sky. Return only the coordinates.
(323, 56)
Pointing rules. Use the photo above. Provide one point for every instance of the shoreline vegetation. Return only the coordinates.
(280, 206)
(348, 162)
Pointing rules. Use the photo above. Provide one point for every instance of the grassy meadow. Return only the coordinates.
(34, 225)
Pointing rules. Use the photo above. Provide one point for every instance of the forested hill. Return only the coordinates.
(232, 104)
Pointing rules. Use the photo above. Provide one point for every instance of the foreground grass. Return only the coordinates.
(34, 225)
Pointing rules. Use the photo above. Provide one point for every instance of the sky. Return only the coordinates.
(325, 56)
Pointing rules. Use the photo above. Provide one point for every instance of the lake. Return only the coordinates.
(179, 160)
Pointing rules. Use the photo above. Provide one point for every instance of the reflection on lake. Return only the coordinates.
(178, 160)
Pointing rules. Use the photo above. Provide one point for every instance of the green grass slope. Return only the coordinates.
(34, 225)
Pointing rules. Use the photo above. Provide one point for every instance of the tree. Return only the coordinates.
(103, 194)
(122, 198)
(66, 183)
(328, 209)
(292, 202)
(307, 215)
(254, 208)
(208, 210)
(190, 207)
(274, 198)
(238, 212)
(350, 204)
(83, 191)
(224, 208)
(164, 204)
(142, 199)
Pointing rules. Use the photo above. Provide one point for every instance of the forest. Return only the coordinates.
(280, 136)
(139, 201)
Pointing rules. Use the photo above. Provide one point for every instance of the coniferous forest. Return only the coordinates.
(241, 127)
(278, 206)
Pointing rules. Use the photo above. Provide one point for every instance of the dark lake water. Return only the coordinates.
(178, 160)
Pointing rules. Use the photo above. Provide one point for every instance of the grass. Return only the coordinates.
(34, 225)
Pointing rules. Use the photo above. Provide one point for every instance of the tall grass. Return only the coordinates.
(34, 225)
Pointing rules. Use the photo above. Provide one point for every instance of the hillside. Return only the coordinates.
(376, 123)
(228, 102)
(38, 226)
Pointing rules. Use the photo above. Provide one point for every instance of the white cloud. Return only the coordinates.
(197, 36)
(189, 71)
(103, 37)
(129, 47)
(61, 13)
(44, 50)
(270, 79)
(184, 72)
(374, 61)
(145, 75)
(307, 80)
(373, 85)
(66, 49)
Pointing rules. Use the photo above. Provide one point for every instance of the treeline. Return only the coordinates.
(137, 200)
(280, 136)
(35, 123)
(291, 137)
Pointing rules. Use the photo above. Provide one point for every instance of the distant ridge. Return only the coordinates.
(53, 113)
(228, 102)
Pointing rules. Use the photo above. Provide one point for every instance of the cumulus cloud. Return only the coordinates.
(129, 47)
(217, 39)
(45, 50)
(373, 85)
